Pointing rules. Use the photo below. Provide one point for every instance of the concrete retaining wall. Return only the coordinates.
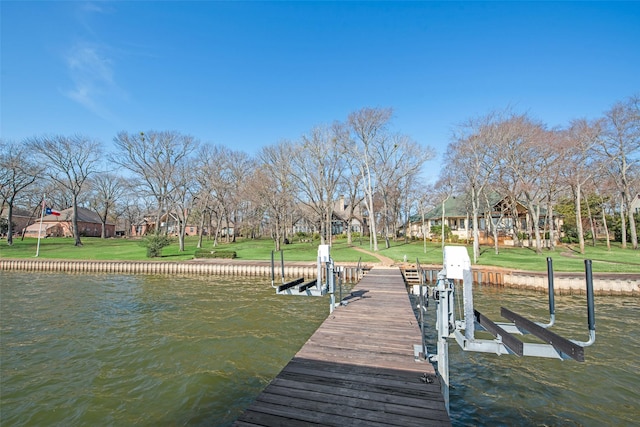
(603, 284)
(564, 283)
(141, 267)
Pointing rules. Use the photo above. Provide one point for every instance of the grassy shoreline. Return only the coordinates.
(566, 258)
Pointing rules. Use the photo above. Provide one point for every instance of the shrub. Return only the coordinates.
(436, 232)
(208, 253)
(570, 235)
(154, 244)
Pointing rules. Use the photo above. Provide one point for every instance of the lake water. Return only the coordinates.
(81, 350)
(492, 390)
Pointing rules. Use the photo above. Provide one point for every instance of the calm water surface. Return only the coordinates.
(81, 350)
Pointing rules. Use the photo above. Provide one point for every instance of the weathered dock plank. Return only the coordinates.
(358, 368)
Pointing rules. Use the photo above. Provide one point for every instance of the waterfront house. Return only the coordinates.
(511, 218)
(169, 222)
(635, 204)
(89, 224)
(305, 219)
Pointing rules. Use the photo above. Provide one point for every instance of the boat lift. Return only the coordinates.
(316, 287)
(457, 266)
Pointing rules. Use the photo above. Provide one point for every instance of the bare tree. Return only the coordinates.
(579, 142)
(17, 174)
(425, 203)
(215, 185)
(240, 167)
(203, 197)
(351, 181)
(472, 154)
(620, 142)
(397, 163)
(602, 199)
(106, 190)
(527, 147)
(180, 198)
(551, 165)
(71, 161)
(221, 180)
(272, 186)
(443, 190)
(316, 166)
(129, 205)
(153, 157)
(369, 128)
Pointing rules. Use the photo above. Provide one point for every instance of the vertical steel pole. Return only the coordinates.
(282, 264)
(331, 285)
(423, 298)
(40, 229)
(442, 327)
(319, 281)
(552, 304)
(467, 294)
(340, 274)
(273, 271)
(591, 313)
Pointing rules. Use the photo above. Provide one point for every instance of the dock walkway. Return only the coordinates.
(358, 368)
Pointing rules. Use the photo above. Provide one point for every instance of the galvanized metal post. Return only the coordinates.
(273, 271)
(332, 286)
(282, 264)
(457, 265)
(442, 327)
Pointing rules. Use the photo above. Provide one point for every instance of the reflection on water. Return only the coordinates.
(158, 350)
(492, 390)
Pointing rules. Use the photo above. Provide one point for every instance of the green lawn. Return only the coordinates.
(91, 249)
(132, 250)
(565, 258)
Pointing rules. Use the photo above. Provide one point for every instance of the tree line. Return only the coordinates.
(160, 172)
(521, 159)
(360, 158)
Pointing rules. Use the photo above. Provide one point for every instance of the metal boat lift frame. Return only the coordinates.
(315, 287)
(457, 266)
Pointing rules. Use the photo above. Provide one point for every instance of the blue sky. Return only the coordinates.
(249, 74)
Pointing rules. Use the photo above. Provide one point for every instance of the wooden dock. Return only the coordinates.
(358, 368)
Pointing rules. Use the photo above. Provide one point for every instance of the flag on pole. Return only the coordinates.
(40, 230)
(50, 211)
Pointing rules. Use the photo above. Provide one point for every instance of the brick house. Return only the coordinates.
(89, 225)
